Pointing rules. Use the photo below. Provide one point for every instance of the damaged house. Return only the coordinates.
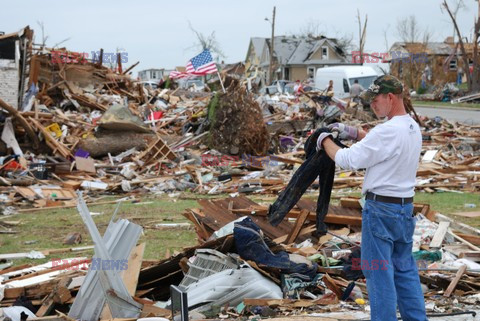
(294, 58)
(439, 60)
(15, 53)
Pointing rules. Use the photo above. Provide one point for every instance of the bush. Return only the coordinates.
(421, 91)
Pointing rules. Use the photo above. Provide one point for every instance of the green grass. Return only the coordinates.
(49, 228)
(447, 203)
(443, 104)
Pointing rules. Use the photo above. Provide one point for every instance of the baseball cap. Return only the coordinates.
(382, 85)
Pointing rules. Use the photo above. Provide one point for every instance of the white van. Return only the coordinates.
(343, 77)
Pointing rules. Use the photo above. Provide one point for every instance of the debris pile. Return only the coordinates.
(237, 125)
(82, 125)
(245, 267)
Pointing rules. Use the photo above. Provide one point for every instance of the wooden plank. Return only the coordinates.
(471, 255)
(58, 295)
(304, 231)
(266, 302)
(455, 280)
(331, 284)
(343, 219)
(351, 202)
(130, 275)
(15, 268)
(475, 240)
(202, 232)
(85, 164)
(51, 141)
(470, 245)
(331, 217)
(151, 310)
(221, 206)
(286, 160)
(13, 293)
(440, 233)
(304, 214)
(31, 210)
(467, 214)
(23, 122)
(48, 318)
(455, 224)
(70, 266)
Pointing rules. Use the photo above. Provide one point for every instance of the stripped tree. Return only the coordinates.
(473, 80)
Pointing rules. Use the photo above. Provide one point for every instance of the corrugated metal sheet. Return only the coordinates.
(117, 243)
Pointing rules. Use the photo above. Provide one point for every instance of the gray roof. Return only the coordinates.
(296, 51)
(304, 49)
(284, 48)
(307, 47)
(258, 44)
(432, 48)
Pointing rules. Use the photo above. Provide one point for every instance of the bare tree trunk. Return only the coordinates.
(115, 143)
(361, 35)
(462, 48)
(476, 72)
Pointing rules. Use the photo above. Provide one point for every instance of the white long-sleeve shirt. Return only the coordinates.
(390, 154)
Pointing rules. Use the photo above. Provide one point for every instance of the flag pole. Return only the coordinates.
(221, 82)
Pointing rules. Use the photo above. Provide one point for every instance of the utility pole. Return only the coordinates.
(270, 67)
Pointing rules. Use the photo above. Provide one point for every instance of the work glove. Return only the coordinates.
(344, 131)
(321, 137)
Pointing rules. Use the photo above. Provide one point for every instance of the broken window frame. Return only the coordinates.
(324, 52)
(310, 68)
(286, 73)
(452, 65)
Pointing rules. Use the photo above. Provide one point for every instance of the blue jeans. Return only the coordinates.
(388, 264)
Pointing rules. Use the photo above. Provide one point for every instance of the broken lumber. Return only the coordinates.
(455, 280)
(439, 234)
(298, 225)
(28, 129)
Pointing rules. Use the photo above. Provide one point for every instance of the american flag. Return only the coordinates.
(202, 64)
(177, 74)
(199, 65)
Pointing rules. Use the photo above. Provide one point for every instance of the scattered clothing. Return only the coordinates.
(251, 246)
(317, 164)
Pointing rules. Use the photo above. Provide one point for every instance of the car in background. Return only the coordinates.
(150, 84)
(278, 87)
(282, 83)
(270, 90)
(344, 77)
(195, 84)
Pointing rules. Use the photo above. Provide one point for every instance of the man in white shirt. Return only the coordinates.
(355, 91)
(390, 153)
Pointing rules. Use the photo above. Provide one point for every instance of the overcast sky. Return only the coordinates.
(157, 34)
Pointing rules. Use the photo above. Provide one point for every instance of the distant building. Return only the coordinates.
(151, 74)
(440, 61)
(294, 58)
